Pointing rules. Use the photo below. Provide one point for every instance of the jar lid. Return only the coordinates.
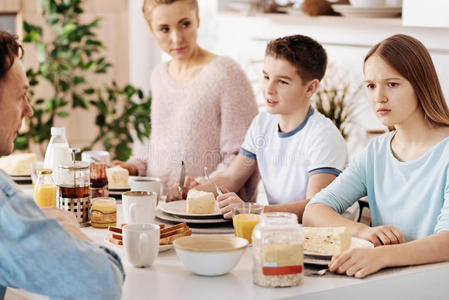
(44, 171)
(77, 165)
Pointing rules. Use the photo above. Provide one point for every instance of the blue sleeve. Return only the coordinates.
(346, 188)
(443, 217)
(40, 256)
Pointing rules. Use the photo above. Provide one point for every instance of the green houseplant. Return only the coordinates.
(335, 99)
(69, 63)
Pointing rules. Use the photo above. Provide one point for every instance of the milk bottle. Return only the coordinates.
(57, 153)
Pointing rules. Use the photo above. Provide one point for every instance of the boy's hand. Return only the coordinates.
(359, 262)
(382, 235)
(173, 193)
(227, 201)
(67, 220)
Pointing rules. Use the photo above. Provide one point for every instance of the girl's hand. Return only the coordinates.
(382, 235)
(173, 193)
(359, 262)
(130, 167)
(227, 201)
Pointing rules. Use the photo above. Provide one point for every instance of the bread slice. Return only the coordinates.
(327, 240)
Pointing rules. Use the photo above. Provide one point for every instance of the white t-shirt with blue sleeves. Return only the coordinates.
(287, 160)
(413, 196)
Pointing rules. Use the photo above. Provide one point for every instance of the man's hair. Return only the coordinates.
(304, 53)
(10, 49)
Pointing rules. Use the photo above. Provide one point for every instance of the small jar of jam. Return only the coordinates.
(98, 180)
(103, 212)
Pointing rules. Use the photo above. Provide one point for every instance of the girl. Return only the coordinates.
(202, 103)
(404, 173)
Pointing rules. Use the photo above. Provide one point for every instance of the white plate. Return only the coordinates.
(120, 190)
(355, 243)
(162, 248)
(172, 218)
(178, 208)
(348, 10)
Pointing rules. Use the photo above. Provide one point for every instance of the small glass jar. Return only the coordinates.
(103, 212)
(44, 191)
(278, 253)
(98, 180)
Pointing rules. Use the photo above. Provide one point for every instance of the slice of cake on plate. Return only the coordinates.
(200, 202)
(327, 240)
(117, 178)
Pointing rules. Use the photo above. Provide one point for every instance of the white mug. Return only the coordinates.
(141, 242)
(147, 184)
(139, 207)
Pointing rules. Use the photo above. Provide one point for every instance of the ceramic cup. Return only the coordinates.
(139, 207)
(147, 184)
(141, 242)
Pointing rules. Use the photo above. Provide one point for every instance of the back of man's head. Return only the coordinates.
(10, 49)
(304, 53)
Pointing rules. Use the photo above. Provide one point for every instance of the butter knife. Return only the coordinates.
(182, 178)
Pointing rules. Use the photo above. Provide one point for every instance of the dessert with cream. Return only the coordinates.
(18, 164)
(117, 178)
(327, 240)
(200, 202)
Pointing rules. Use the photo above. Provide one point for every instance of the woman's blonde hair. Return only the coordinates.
(149, 5)
(410, 58)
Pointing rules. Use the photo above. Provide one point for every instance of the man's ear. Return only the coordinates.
(311, 87)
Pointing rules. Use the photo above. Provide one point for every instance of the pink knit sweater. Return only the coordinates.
(202, 121)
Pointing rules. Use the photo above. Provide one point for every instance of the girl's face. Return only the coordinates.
(391, 96)
(175, 28)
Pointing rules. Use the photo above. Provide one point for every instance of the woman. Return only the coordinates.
(202, 103)
(404, 173)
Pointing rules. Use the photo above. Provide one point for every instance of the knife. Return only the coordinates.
(182, 178)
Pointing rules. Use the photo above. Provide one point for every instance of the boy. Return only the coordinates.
(296, 149)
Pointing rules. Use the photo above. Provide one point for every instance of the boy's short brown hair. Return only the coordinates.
(9, 50)
(304, 53)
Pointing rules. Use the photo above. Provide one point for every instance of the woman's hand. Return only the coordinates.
(359, 262)
(173, 192)
(382, 235)
(130, 167)
(227, 201)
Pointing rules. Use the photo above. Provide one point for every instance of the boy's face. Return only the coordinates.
(14, 105)
(283, 90)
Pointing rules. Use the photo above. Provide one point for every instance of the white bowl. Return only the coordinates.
(367, 3)
(210, 255)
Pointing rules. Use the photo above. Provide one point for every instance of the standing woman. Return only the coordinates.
(404, 173)
(202, 103)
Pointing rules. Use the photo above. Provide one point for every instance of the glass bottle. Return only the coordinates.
(44, 190)
(278, 254)
(98, 180)
(57, 153)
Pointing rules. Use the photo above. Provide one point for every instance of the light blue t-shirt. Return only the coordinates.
(413, 196)
(38, 255)
(286, 160)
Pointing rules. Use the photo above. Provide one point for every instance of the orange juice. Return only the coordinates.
(244, 224)
(45, 195)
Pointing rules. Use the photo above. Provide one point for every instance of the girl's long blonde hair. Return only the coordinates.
(410, 58)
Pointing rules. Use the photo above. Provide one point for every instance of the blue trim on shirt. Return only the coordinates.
(301, 126)
(248, 154)
(333, 171)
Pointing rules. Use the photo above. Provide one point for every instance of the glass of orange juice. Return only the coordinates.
(44, 190)
(244, 217)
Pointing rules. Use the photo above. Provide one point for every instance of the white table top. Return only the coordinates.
(167, 279)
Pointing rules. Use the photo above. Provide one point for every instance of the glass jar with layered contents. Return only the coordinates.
(278, 255)
(103, 212)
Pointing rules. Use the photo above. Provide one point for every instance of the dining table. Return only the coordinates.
(168, 278)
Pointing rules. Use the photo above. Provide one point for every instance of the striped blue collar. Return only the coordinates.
(297, 129)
